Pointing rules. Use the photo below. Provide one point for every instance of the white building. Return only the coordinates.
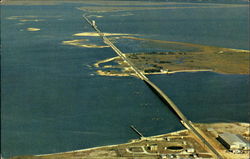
(233, 141)
(93, 22)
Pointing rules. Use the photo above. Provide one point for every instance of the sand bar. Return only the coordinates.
(96, 34)
(33, 29)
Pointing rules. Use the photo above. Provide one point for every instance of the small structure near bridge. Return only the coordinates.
(93, 23)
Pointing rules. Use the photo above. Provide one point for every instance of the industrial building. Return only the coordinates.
(233, 142)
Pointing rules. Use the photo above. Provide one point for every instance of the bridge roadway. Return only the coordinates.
(188, 124)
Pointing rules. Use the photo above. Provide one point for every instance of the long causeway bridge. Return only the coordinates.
(185, 122)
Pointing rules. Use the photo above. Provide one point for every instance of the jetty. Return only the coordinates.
(136, 131)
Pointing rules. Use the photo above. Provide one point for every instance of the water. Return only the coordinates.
(52, 102)
(207, 96)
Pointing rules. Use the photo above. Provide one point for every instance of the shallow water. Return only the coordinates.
(53, 101)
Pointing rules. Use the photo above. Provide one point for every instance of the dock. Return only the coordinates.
(136, 131)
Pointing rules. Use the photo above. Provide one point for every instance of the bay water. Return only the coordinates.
(53, 101)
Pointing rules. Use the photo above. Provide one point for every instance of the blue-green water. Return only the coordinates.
(52, 102)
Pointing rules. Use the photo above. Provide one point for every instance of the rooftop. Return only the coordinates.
(233, 139)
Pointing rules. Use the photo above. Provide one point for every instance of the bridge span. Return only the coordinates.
(185, 122)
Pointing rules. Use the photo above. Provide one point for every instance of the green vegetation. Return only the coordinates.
(192, 57)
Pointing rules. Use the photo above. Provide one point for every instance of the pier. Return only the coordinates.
(136, 131)
(185, 122)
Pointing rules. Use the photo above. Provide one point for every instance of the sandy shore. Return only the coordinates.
(111, 150)
(105, 73)
(110, 146)
(96, 34)
(103, 9)
(188, 57)
(82, 43)
(33, 29)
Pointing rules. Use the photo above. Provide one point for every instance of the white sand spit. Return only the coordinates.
(33, 29)
(96, 34)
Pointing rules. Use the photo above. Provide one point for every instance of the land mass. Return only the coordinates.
(126, 5)
(183, 57)
(180, 144)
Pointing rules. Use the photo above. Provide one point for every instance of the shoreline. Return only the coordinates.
(104, 73)
(194, 58)
(113, 145)
(182, 138)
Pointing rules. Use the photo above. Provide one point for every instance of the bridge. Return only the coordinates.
(186, 123)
